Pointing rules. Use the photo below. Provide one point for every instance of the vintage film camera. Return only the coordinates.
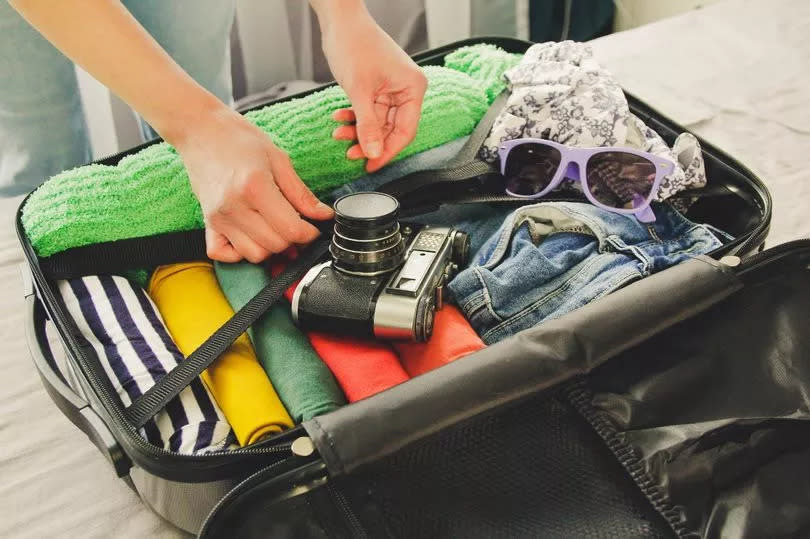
(384, 280)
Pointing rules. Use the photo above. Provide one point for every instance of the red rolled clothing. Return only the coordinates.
(452, 338)
(362, 367)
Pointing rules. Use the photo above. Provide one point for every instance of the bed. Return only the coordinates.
(735, 73)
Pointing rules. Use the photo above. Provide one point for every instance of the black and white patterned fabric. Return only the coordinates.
(119, 321)
(560, 92)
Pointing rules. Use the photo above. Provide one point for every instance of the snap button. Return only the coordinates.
(302, 447)
(731, 261)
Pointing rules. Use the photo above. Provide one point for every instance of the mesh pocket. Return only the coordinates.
(533, 470)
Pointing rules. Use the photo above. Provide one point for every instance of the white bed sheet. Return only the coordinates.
(735, 73)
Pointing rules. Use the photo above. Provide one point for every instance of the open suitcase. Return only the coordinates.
(676, 406)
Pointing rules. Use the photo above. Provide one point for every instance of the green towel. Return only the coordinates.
(302, 381)
(148, 193)
(484, 63)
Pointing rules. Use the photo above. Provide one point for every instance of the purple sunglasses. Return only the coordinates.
(620, 180)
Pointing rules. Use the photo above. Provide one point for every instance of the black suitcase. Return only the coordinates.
(674, 406)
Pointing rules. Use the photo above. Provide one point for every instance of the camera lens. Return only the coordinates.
(367, 239)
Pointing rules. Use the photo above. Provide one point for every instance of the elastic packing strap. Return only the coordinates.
(116, 257)
(156, 397)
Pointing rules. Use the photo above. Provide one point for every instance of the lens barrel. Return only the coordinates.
(367, 239)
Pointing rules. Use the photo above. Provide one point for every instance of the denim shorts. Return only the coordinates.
(550, 258)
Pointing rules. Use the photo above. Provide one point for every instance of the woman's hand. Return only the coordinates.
(249, 192)
(384, 86)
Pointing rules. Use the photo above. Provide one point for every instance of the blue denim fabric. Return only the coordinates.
(429, 159)
(480, 221)
(42, 125)
(550, 258)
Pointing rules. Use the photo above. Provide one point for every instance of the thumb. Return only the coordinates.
(369, 128)
(296, 192)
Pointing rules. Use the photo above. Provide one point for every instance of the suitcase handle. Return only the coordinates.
(75, 408)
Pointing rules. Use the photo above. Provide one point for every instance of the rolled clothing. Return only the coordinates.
(362, 367)
(121, 325)
(452, 339)
(194, 307)
(550, 258)
(303, 382)
(560, 92)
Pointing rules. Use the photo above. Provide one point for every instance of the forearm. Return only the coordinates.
(332, 12)
(103, 38)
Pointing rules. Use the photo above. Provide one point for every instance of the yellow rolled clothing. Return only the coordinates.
(193, 306)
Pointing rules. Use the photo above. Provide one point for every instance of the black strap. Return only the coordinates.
(463, 166)
(116, 257)
(156, 397)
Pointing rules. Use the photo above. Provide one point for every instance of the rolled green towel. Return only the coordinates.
(484, 63)
(148, 193)
(302, 381)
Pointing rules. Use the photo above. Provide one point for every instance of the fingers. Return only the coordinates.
(344, 115)
(219, 248)
(403, 129)
(345, 132)
(298, 195)
(262, 219)
(369, 126)
(260, 231)
(355, 152)
(242, 243)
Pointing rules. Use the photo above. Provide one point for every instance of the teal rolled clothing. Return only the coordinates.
(302, 380)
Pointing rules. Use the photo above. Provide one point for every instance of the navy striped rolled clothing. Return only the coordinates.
(121, 324)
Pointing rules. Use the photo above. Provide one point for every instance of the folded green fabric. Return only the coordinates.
(303, 382)
(484, 63)
(148, 193)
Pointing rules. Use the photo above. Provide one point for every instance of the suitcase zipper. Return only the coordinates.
(235, 491)
(579, 396)
(298, 460)
(349, 517)
(766, 257)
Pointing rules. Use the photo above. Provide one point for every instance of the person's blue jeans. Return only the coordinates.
(42, 126)
(550, 258)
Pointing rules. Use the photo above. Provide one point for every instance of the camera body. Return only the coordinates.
(384, 280)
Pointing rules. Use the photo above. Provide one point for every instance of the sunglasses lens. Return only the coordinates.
(620, 180)
(530, 168)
